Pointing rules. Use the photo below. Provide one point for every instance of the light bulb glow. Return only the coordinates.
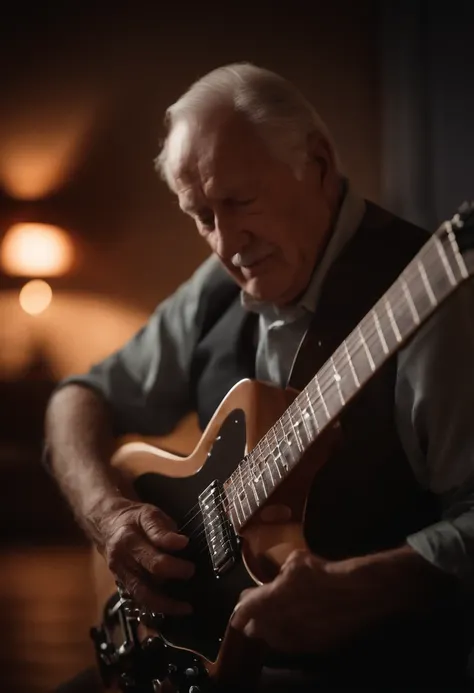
(35, 297)
(37, 250)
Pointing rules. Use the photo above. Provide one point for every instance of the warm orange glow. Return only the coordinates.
(35, 297)
(42, 146)
(36, 250)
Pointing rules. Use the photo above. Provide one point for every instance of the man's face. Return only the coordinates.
(264, 224)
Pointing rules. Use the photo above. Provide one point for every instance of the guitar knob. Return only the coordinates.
(192, 672)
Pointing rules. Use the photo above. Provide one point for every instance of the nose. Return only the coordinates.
(227, 237)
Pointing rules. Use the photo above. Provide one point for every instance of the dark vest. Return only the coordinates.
(366, 499)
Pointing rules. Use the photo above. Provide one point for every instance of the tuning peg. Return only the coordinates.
(465, 210)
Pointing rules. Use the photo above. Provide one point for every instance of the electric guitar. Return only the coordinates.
(240, 495)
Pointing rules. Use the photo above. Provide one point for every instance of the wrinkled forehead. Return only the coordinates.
(222, 155)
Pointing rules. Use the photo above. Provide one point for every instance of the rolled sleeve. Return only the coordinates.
(146, 382)
(435, 416)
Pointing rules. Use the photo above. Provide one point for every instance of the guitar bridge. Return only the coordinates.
(220, 536)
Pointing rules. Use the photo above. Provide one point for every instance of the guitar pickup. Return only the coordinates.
(220, 536)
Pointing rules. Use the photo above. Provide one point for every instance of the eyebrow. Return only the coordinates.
(190, 205)
(191, 208)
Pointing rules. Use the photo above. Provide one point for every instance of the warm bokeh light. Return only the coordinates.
(39, 150)
(37, 250)
(35, 297)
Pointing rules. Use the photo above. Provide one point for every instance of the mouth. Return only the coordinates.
(256, 267)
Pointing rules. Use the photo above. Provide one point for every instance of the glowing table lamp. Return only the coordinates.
(36, 251)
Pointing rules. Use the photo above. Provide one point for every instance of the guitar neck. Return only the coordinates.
(426, 282)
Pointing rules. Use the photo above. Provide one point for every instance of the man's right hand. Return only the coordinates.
(137, 540)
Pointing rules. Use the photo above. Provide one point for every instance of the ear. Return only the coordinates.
(321, 152)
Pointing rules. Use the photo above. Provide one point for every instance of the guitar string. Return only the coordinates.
(327, 382)
(234, 504)
(252, 461)
(238, 486)
(264, 450)
(326, 374)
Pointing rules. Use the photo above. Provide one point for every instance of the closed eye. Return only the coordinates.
(206, 219)
(242, 203)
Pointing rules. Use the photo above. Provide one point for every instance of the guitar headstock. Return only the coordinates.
(462, 225)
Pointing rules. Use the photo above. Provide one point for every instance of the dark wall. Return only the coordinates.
(427, 63)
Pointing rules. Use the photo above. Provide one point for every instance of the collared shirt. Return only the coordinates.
(282, 329)
(146, 383)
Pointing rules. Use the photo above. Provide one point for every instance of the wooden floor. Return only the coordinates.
(46, 610)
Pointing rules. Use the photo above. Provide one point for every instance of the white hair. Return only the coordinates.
(281, 114)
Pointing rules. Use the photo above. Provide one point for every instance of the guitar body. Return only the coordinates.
(175, 483)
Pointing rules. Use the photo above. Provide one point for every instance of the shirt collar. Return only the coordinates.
(349, 217)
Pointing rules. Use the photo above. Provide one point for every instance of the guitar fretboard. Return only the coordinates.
(430, 278)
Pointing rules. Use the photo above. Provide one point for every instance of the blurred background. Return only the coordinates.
(91, 240)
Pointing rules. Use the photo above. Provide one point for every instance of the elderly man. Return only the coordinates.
(378, 602)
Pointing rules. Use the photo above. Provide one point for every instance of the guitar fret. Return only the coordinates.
(267, 459)
(244, 492)
(289, 448)
(424, 277)
(354, 374)
(231, 494)
(254, 490)
(313, 413)
(277, 456)
(269, 467)
(457, 255)
(379, 331)
(322, 399)
(237, 496)
(260, 466)
(246, 475)
(295, 432)
(276, 467)
(393, 322)
(444, 260)
(303, 418)
(240, 521)
(411, 303)
(337, 378)
(367, 350)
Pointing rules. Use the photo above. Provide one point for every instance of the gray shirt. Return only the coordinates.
(146, 383)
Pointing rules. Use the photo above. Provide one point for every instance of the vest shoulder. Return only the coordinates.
(379, 218)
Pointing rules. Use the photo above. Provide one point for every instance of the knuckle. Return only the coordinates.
(117, 549)
(161, 563)
(114, 558)
(133, 586)
(149, 514)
